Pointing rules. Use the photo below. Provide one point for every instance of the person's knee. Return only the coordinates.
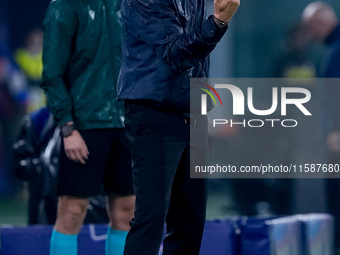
(71, 214)
(73, 206)
(121, 211)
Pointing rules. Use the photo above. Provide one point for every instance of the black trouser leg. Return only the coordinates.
(186, 215)
(159, 144)
(158, 140)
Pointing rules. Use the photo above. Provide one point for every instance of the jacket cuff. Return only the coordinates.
(211, 32)
(64, 120)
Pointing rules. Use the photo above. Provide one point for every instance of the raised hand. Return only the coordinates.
(225, 9)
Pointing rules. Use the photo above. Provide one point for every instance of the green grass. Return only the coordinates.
(13, 210)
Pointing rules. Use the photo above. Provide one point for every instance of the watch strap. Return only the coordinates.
(67, 129)
(220, 23)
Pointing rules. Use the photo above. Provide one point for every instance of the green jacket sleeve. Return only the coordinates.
(60, 26)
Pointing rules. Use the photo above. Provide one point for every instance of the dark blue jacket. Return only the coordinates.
(331, 87)
(165, 43)
(331, 65)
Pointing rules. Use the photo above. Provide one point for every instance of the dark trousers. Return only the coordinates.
(162, 184)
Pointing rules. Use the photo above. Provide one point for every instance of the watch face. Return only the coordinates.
(66, 130)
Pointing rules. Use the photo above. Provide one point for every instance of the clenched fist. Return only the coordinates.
(225, 9)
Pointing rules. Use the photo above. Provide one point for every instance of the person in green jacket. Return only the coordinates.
(81, 59)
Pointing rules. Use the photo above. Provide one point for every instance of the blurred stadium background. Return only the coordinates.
(258, 40)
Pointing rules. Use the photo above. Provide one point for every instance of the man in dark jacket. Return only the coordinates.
(324, 26)
(164, 45)
(81, 57)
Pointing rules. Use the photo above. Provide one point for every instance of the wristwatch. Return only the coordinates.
(66, 129)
